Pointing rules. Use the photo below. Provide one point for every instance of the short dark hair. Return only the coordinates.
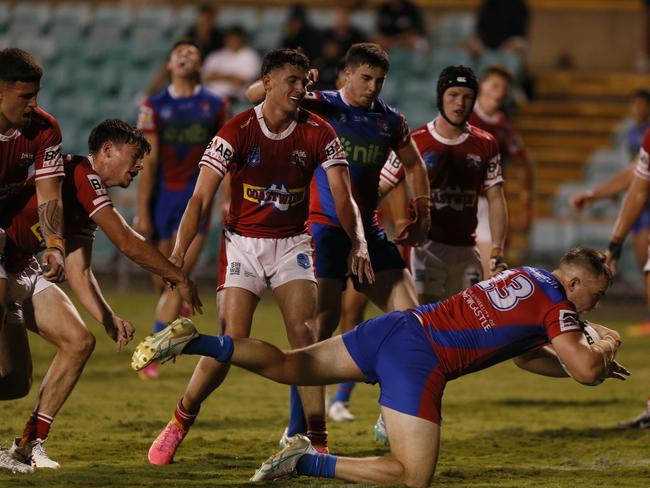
(642, 93)
(279, 57)
(367, 53)
(236, 30)
(18, 65)
(589, 259)
(499, 70)
(184, 41)
(118, 132)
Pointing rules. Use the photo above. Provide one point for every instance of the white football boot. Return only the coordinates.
(34, 453)
(379, 432)
(339, 412)
(283, 464)
(7, 461)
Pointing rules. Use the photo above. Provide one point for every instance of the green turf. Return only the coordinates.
(502, 427)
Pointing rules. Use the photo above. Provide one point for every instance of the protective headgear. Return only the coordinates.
(456, 76)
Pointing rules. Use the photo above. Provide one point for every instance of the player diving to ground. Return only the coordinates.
(528, 314)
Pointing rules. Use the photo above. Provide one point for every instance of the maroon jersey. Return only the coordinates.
(29, 155)
(642, 169)
(510, 146)
(270, 173)
(459, 170)
(84, 194)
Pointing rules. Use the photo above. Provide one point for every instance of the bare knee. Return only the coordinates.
(300, 333)
(79, 344)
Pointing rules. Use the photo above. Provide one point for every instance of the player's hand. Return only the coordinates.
(613, 254)
(414, 233)
(497, 262)
(605, 331)
(190, 294)
(177, 260)
(618, 371)
(53, 264)
(142, 224)
(312, 78)
(582, 200)
(121, 331)
(360, 265)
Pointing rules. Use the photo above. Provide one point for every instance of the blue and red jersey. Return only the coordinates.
(367, 136)
(497, 319)
(184, 126)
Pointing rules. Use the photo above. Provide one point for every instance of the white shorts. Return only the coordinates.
(646, 268)
(254, 263)
(442, 270)
(483, 234)
(20, 287)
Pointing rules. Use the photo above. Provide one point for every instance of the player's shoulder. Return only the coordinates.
(42, 123)
(646, 140)
(480, 134)
(324, 96)
(158, 98)
(546, 283)
(242, 120)
(76, 165)
(382, 106)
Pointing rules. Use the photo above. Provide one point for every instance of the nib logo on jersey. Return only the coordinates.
(277, 195)
(362, 153)
(453, 197)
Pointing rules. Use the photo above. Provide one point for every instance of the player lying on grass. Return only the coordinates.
(518, 313)
(116, 151)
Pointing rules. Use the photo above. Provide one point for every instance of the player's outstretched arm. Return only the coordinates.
(50, 216)
(616, 184)
(207, 185)
(541, 360)
(136, 248)
(498, 214)
(142, 220)
(84, 284)
(415, 173)
(347, 211)
(633, 204)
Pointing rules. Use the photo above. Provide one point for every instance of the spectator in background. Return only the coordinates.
(400, 24)
(336, 42)
(620, 182)
(228, 71)
(204, 33)
(299, 34)
(502, 25)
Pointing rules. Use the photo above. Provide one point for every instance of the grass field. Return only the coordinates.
(502, 427)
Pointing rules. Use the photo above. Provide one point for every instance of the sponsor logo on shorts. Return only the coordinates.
(278, 196)
(303, 261)
(254, 159)
(235, 269)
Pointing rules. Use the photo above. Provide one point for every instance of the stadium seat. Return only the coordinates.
(161, 17)
(183, 18)
(273, 18)
(511, 61)
(446, 56)
(453, 30)
(5, 16)
(113, 15)
(366, 20)
(30, 17)
(266, 38)
(245, 17)
(73, 15)
(321, 18)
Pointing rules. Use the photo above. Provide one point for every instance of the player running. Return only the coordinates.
(369, 130)
(633, 204)
(527, 314)
(271, 152)
(116, 151)
(178, 123)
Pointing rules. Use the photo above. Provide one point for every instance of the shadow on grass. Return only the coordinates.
(529, 402)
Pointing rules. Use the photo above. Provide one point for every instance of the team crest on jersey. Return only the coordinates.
(341, 118)
(430, 159)
(299, 157)
(26, 160)
(303, 261)
(383, 127)
(254, 158)
(166, 113)
(278, 196)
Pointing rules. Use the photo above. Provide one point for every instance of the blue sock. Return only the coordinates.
(217, 347)
(343, 392)
(158, 326)
(297, 420)
(320, 465)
